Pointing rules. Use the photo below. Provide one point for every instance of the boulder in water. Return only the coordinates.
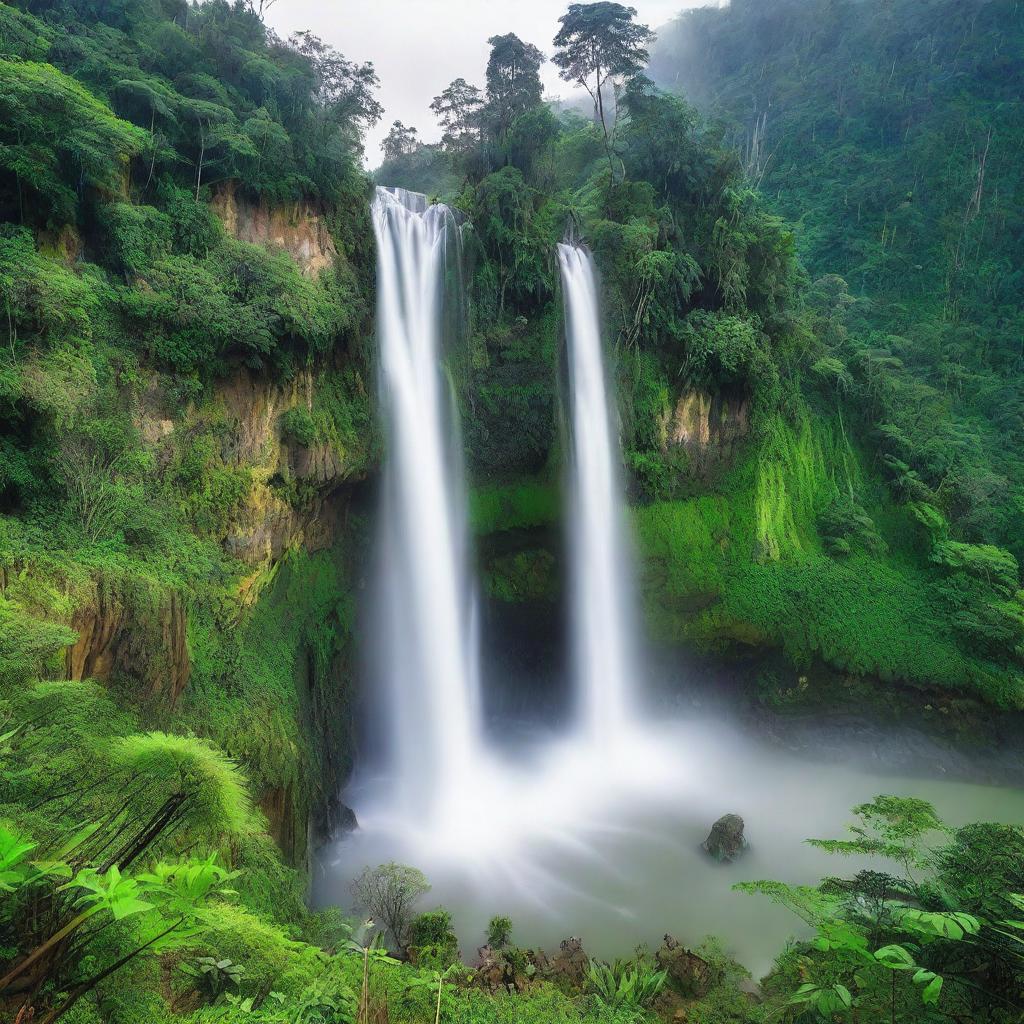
(726, 840)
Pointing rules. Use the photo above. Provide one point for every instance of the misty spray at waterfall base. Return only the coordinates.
(594, 831)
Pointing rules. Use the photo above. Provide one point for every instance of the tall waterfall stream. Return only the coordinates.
(595, 832)
(604, 648)
(430, 712)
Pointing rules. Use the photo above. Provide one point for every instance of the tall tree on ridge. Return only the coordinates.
(513, 80)
(597, 42)
(399, 141)
(458, 110)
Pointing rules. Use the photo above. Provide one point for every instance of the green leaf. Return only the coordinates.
(930, 994)
(128, 907)
(77, 839)
(895, 957)
(805, 993)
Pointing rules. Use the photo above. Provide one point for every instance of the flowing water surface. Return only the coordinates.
(425, 661)
(604, 654)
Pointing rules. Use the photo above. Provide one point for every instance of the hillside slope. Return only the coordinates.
(889, 134)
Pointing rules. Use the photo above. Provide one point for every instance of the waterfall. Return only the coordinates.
(430, 707)
(603, 654)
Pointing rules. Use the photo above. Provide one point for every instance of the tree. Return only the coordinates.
(399, 141)
(513, 80)
(259, 7)
(389, 892)
(597, 42)
(458, 111)
(344, 91)
(57, 137)
(499, 932)
(888, 943)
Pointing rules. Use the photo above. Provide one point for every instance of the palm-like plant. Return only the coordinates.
(622, 985)
(215, 976)
(168, 901)
(438, 978)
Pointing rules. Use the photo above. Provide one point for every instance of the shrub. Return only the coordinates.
(499, 931)
(135, 235)
(995, 566)
(298, 426)
(431, 936)
(389, 892)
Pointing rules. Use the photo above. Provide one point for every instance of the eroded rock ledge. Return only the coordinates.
(298, 227)
(709, 427)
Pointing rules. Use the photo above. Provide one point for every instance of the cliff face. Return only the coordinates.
(248, 645)
(708, 427)
(266, 524)
(298, 228)
(119, 635)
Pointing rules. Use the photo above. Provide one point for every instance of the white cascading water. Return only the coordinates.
(537, 828)
(431, 710)
(603, 654)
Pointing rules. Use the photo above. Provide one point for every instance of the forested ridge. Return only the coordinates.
(839, 276)
(807, 222)
(890, 135)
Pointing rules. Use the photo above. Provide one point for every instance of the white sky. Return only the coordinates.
(419, 46)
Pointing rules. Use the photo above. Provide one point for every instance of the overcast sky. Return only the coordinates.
(419, 46)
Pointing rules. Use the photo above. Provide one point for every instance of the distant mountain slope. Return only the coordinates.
(891, 132)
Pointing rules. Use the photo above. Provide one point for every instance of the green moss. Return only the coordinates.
(529, 575)
(513, 506)
(298, 427)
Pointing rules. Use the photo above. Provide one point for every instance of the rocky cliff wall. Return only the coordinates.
(708, 427)
(298, 228)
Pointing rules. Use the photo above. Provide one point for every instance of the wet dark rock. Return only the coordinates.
(689, 975)
(726, 840)
(568, 967)
(338, 820)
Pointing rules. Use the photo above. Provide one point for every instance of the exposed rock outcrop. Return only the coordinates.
(142, 637)
(267, 524)
(280, 807)
(708, 427)
(297, 228)
(568, 967)
(689, 975)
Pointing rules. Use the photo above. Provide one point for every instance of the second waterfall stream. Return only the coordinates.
(603, 654)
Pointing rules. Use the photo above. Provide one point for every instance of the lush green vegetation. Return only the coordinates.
(824, 470)
(178, 406)
(888, 134)
(133, 478)
(910, 945)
